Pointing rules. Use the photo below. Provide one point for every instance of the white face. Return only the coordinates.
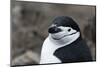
(66, 32)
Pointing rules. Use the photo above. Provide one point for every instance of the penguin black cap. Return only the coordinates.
(64, 21)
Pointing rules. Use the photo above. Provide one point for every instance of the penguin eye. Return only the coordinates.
(69, 30)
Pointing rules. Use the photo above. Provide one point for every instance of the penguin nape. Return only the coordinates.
(64, 43)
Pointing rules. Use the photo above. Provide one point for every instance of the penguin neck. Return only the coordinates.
(66, 40)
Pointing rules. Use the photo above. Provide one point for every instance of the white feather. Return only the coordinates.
(50, 45)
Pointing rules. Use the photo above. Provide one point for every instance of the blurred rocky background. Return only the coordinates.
(30, 22)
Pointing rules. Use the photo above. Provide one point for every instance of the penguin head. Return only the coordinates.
(64, 27)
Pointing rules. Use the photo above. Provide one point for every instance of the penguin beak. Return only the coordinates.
(54, 29)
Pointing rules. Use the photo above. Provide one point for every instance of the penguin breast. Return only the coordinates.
(47, 53)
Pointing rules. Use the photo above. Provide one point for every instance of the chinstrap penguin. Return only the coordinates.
(64, 43)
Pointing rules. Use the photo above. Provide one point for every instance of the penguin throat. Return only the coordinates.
(66, 40)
